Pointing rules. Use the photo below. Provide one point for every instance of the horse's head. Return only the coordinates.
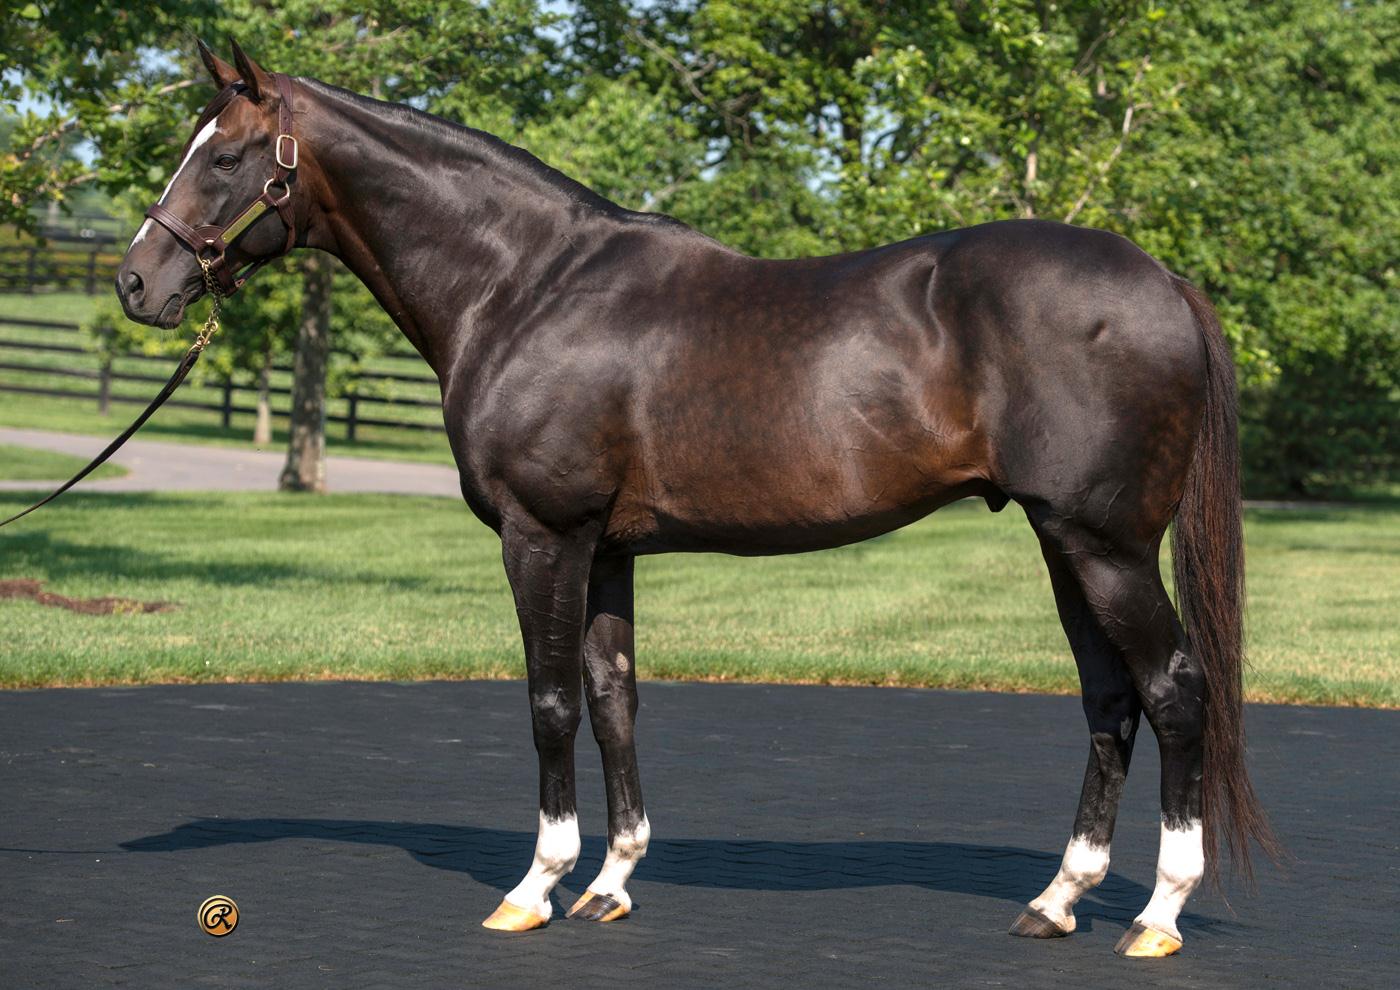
(229, 202)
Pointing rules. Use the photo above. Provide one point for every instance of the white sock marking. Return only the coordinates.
(1084, 866)
(556, 852)
(1180, 866)
(624, 853)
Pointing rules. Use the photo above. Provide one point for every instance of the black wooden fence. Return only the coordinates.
(75, 252)
(77, 266)
(93, 373)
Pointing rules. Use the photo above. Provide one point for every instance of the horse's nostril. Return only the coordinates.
(132, 284)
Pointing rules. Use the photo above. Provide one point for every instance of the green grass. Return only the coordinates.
(64, 307)
(24, 464)
(274, 587)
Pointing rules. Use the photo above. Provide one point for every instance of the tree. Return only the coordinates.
(83, 72)
(1278, 190)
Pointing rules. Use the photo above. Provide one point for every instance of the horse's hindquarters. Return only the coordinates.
(1090, 370)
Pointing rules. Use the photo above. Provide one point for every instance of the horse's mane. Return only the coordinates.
(472, 143)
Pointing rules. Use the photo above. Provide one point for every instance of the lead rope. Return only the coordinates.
(201, 340)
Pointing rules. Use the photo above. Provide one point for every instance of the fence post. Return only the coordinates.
(350, 416)
(104, 374)
(33, 271)
(227, 412)
(92, 273)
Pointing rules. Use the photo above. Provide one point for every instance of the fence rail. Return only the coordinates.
(364, 390)
(88, 267)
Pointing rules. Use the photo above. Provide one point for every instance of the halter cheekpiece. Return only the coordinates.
(210, 243)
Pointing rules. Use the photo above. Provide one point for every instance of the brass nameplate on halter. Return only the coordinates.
(244, 221)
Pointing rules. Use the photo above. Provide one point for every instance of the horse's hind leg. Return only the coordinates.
(611, 680)
(1112, 707)
(549, 578)
(1123, 587)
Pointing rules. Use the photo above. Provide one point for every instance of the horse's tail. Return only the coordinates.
(1208, 570)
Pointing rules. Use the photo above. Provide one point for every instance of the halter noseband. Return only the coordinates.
(210, 243)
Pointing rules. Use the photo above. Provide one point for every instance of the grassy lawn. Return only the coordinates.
(65, 307)
(273, 587)
(24, 464)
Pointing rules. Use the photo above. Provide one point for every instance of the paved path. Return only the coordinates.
(803, 837)
(157, 466)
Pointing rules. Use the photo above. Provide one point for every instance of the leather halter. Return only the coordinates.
(210, 246)
(211, 242)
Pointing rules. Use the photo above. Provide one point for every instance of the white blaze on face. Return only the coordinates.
(205, 133)
(1083, 868)
(556, 852)
(624, 853)
(1180, 865)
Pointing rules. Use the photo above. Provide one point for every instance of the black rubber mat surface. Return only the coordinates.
(802, 837)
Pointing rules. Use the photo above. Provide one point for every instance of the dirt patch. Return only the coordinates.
(28, 588)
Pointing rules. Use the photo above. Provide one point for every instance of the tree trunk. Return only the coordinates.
(262, 428)
(306, 445)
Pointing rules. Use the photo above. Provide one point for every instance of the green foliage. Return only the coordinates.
(1248, 146)
(86, 73)
(1279, 192)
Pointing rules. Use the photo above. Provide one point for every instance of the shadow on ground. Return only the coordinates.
(498, 858)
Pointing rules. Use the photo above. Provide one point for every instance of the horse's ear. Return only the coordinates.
(259, 83)
(220, 71)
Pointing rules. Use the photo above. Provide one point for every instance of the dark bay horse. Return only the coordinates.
(615, 383)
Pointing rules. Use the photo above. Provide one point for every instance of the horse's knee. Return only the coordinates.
(1113, 711)
(555, 717)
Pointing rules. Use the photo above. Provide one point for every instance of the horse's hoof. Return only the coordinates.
(1142, 942)
(509, 918)
(597, 907)
(1032, 924)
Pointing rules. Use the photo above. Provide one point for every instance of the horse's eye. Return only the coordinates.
(226, 162)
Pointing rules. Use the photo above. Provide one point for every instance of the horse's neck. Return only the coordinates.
(446, 226)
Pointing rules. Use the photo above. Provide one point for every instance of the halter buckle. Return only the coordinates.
(296, 152)
(286, 191)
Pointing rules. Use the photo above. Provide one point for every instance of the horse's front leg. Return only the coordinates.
(611, 678)
(549, 578)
